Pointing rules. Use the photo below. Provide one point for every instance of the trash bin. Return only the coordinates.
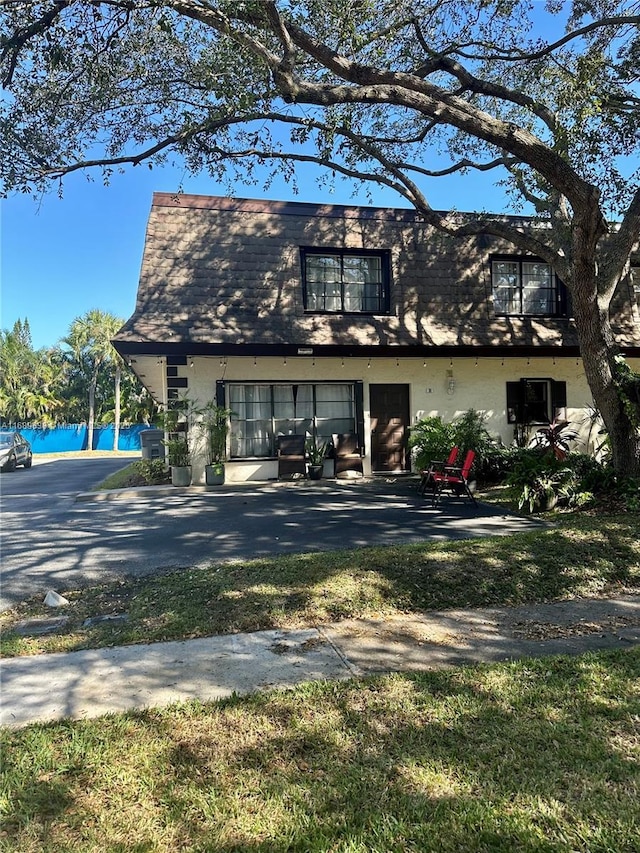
(151, 443)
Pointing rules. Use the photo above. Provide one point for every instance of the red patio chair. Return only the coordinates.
(426, 474)
(456, 479)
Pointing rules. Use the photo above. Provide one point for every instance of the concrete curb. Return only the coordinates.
(141, 492)
(197, 489)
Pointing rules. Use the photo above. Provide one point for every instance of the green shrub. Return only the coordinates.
(150, 472)
(576, 481)
(430, 439)
(470, 433)
(530, 463)
(498, 462)
(594, 476)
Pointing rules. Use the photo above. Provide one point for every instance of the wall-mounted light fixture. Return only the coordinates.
(451, 383)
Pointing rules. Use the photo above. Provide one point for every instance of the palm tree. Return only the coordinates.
(89, 339)
(30, 380)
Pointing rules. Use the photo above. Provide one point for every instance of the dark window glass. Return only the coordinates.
(535, 401)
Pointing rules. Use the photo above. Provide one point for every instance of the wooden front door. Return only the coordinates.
(389, 407)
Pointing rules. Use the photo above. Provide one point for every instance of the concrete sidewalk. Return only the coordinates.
(90, 683)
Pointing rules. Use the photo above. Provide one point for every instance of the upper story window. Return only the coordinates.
(345, 281)
(526, 286)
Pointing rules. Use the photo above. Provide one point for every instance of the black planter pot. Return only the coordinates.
(315, 472)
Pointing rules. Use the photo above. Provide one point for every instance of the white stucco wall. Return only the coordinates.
(480, 385)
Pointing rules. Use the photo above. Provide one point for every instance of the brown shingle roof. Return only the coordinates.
(225, 271)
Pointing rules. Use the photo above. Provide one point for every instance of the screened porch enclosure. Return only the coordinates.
(264, 411)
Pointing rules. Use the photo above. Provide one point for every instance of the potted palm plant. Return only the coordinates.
(316, 453)
(215, 426)
(175, 423)
(179, 460)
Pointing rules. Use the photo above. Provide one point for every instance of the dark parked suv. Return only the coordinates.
(14, 450)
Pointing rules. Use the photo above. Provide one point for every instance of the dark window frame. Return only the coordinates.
(384, 289)
(560, 297)
(520, 407)
(222, 399)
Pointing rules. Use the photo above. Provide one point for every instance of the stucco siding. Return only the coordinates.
(480, 386)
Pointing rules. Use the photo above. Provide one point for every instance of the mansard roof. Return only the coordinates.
(222, 273)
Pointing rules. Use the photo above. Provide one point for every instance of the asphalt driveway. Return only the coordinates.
(61, 543)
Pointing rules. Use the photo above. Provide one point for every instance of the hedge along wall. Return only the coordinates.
(70, 437)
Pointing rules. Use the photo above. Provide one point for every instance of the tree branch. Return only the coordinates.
(523, 56)
(371, 85)
(176, 139)
(333, 165)
(460, 166)
(12, 47)
(624, 241)
(471, 83)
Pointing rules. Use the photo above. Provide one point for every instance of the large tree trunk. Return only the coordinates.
(624, 438)
(597, 347)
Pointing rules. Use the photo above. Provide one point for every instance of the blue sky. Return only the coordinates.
(64, 256)
(61, 257)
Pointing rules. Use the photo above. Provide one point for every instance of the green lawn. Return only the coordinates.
(530, 757)
(580, 555)
(534, 756)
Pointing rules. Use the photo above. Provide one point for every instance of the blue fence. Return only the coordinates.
(69, 437)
